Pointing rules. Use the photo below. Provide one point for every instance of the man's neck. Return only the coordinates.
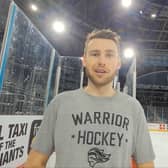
(100, 90)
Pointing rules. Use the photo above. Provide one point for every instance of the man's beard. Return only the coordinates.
(101, 82)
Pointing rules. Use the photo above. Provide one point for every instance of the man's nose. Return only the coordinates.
(102, 60)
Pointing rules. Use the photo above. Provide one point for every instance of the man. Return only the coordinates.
(96, 126)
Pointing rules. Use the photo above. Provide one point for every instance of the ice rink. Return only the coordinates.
(160, 143)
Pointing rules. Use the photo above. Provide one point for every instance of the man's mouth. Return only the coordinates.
(100, 71)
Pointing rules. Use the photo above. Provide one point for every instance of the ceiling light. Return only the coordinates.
(126, 3)
(141, 12)
(129, 53)
(58, 26)
(153, 15)
(34, 7)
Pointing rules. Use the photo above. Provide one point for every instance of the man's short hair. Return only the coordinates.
(103, 34)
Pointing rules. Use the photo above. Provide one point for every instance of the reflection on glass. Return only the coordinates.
(4, 7)
(152, 92)
(152, 88)
(70, 73)
(27, 69)
(53, 78)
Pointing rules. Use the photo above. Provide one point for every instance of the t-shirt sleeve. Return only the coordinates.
(143, 149)
(44, 140)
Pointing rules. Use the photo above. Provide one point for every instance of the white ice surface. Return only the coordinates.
(160, 144)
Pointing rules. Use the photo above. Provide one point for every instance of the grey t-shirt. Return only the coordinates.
(93, 132)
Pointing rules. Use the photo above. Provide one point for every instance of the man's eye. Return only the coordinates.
(94, 54)
(110, 55)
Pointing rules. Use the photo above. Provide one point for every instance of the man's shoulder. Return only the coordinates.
(125, 96)
(129, 99)
(67, 94)
(131, 103)
(63, 96)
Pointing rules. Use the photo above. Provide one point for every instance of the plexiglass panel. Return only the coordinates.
(27, 70)
(52, 85)
(70, 73)
(152, 87)
(128, 88)
(4, 6)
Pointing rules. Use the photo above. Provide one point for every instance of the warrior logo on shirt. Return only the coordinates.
(96, 155)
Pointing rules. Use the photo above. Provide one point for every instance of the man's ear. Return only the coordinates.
(83, 60)
(119, 64)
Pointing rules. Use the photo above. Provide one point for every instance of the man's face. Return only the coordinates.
(101, 61)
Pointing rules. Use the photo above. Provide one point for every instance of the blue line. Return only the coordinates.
(5, 53)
